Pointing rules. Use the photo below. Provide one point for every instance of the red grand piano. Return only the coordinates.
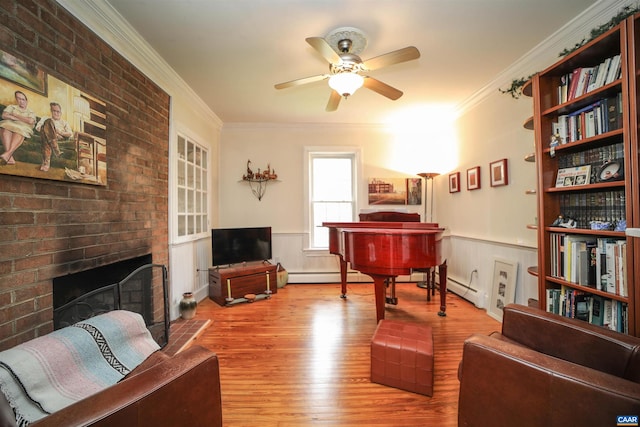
(385, 250)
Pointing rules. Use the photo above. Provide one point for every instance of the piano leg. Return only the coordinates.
(442, 271)
(343, 277)
(380, 286)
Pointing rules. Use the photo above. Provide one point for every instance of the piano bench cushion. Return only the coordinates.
(402, 356)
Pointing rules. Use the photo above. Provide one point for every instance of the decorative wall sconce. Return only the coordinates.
(258, 180)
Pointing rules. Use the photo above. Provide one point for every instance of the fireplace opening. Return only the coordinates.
(135, 285)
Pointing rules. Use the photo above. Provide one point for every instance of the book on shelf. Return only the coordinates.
(574, 76)
(596, 312)
(614, 112)
(614, 71)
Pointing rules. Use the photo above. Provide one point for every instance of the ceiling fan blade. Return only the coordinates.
(382, 88)
(321, 45)
(334, 101)
(302, 81)
(395, 57)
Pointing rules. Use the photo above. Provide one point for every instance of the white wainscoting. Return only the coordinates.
(189, 272)
(470, 266)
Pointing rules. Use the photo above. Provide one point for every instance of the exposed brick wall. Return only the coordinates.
(53, 228)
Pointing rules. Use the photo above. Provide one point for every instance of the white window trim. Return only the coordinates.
(173, 188)
(357, 178)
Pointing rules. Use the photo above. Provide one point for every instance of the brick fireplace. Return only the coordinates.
(135, 285)
(51, 229)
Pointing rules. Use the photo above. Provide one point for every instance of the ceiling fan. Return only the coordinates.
(341, 48)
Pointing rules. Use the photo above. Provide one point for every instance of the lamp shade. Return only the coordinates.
(346, 83)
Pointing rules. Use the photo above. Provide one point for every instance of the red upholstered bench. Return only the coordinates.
(402, 356)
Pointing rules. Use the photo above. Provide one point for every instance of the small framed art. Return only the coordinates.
(454, 182)
(503, 288)
(499, 173)
(473, 178)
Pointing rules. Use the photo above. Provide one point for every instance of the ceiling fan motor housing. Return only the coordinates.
(341, 48)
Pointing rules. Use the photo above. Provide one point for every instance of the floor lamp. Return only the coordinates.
(428, 176)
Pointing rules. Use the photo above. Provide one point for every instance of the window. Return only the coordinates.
(332, 192)
(192, 179)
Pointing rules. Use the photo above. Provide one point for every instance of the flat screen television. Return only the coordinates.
(237, 245)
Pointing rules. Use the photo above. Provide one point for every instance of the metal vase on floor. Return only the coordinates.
(188, 306)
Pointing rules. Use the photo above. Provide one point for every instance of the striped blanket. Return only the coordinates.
(48, 373)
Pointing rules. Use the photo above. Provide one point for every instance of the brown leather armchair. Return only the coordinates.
(548, 370)
(163, 391)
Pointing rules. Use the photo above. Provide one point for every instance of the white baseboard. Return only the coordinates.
(453, 285)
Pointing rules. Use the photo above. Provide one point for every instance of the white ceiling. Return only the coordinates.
(232, 52)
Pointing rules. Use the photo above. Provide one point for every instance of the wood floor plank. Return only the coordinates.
(302, 358)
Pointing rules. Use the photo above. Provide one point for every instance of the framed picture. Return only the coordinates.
(395, 191)
(499, 173)
(503, 289)
(578, 175)
(454, 182)
(473, 178)
(23, 73)
(68, 141)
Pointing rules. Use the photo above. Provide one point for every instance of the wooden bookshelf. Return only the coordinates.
(582, 121)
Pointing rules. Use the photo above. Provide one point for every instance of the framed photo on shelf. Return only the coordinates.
(569, 177)
(473, 178)
(499, 173)
(503, 289)
(454, 182)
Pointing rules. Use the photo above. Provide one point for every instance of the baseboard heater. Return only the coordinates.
(463, 291)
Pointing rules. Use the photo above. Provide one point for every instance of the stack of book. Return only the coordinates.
(597, 263)
(604, 206)
(602, 116)
(591, 308)
(583, 80)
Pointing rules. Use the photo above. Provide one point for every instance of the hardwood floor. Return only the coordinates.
(302, 358)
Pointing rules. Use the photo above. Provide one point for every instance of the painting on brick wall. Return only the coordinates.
(395, 191)
(48, 128)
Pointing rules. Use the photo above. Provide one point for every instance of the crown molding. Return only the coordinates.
(101, 18)
(547, 52)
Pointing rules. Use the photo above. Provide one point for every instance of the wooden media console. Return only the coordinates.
(229, 285)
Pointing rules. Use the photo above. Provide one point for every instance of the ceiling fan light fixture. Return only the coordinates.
(346, 83)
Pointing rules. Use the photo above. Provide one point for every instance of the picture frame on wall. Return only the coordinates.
(503, 290)
(473, 178)
(395, 191)
(499, 173)
(71, 147)
(454, 182)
